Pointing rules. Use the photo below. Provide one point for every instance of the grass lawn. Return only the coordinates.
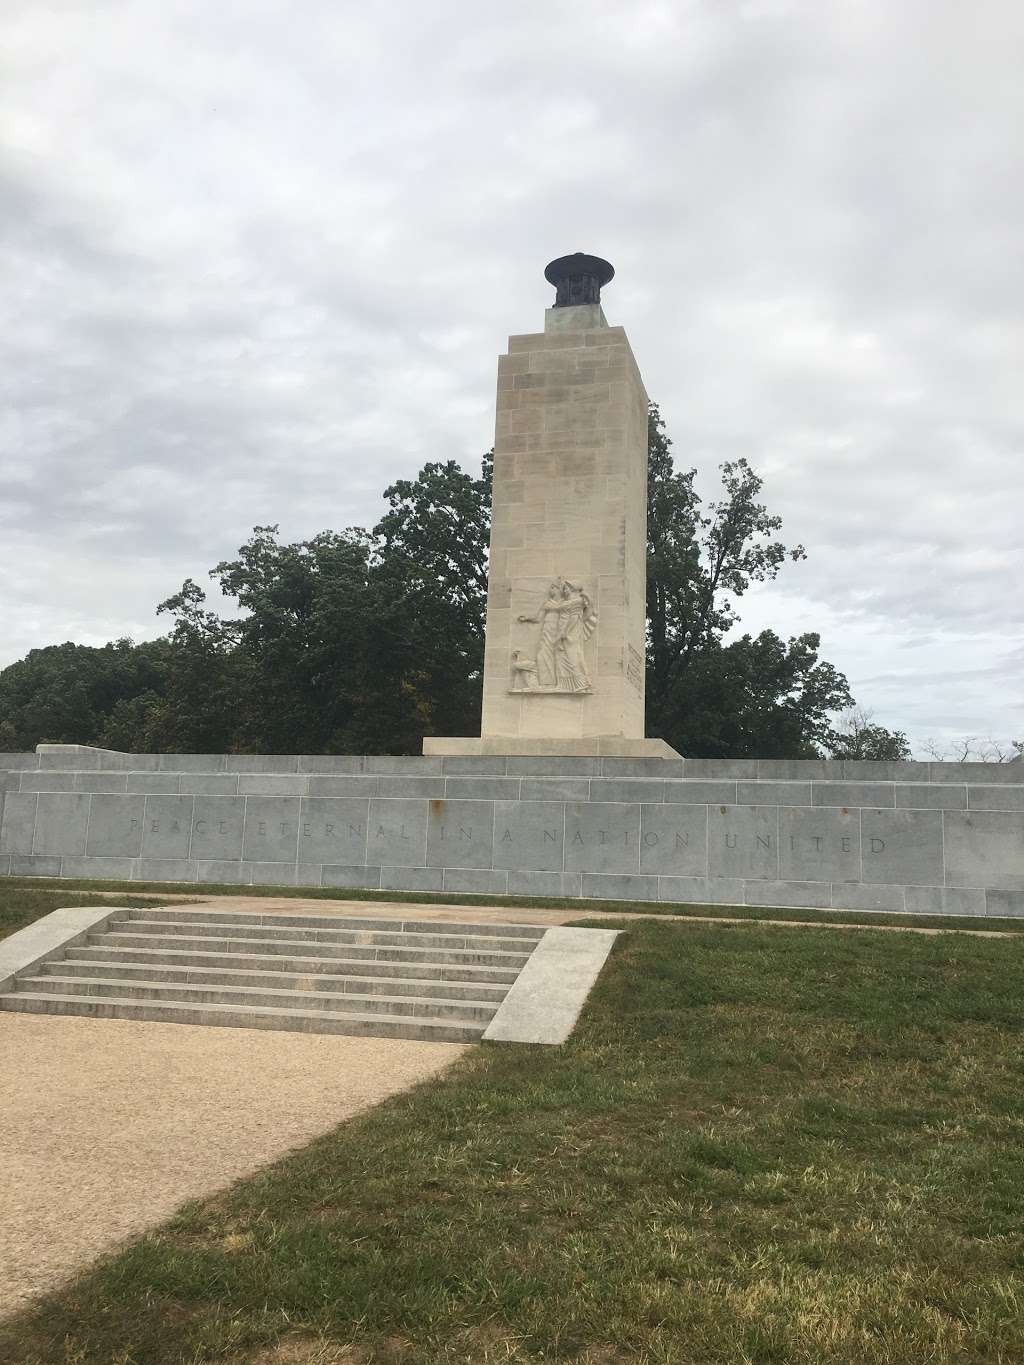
(68, 886)
(21, 904)
(760, 1145)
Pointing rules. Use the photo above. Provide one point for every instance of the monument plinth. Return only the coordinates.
(567, 584)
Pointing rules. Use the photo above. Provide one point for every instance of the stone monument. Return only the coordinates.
(567, 584)
(561, 795)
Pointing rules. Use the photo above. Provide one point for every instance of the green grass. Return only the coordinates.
(21, 904)
(577, 906)
(760, 1147)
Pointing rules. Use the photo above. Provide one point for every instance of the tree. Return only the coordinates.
(306, 614)
(756, 697)
(431, 548)
(365, 641)
(352, 641)
(706, 697)
(63, 694)
(436, 536)
(314, 660)
(697, 564)
(855, 736)
(204, 697)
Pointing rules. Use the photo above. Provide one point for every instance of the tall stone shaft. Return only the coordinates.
(567, 585)
(566, 608)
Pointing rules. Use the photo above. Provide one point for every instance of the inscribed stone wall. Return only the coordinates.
(925, 837)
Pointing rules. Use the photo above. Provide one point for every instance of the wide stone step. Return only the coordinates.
(464, 1011)
(312, 981)
(181, 914)
(336, 934)
(246, 1016)
(298, 963)
(198, 943)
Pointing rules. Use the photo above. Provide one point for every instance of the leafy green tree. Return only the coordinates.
(704, 695)
(204, 702)
(431, 548)
(856, 736)
(436, 535)
(347, 642)
(310, 663)
(63, 694)
(361, 641)
(305, 618)
(698, 564)
(709, 698)
(756, 697)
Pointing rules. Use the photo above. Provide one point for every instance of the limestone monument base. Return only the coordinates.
(526, 746)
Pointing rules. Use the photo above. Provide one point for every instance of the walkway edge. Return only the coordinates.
(48, 937)
(543, 1004)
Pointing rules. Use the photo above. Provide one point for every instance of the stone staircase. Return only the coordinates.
(310, 973)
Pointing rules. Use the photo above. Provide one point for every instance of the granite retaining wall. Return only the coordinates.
(917, 837)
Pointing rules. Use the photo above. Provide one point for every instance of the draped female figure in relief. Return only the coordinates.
(567, 620)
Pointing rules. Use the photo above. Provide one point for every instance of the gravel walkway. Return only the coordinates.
(108, 1125)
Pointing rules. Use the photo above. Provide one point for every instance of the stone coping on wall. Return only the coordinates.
(82, 759)
(908, 795)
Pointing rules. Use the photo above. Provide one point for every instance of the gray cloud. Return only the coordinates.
(258, 264)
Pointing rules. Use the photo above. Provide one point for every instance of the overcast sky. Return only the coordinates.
(258, 260)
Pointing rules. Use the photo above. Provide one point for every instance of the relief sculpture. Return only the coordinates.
(567, 619)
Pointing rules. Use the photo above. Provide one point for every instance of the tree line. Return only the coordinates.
(361, 641)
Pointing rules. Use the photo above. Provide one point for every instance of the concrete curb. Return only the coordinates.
(543, 1004)
(48, 938)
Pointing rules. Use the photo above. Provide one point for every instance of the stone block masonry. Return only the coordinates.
(918, 837)
(570, 504)
(566, 587)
